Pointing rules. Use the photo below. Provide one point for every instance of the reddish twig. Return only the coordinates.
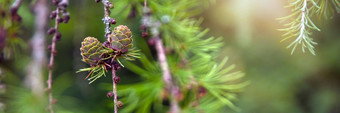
(50, 66)
(61, 9)
(115, 97)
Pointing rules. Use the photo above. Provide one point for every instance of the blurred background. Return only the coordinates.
(280, 82)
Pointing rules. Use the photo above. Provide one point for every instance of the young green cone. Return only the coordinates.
(92, 51)
(120, 39)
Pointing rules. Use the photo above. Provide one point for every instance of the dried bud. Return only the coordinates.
(58, 36)
(202, 91)
(120, 104)
(152, 42)
(13, 10)
(53, 14)
(63, 5)
(116, 79)
(55, 2)
(97, 1)
(144, 34)
(59, 20)
(66, 18)
(143, 27)
(110, 5)
(54, 52)
(113, 21)
(117, 66)
(16, 17)
(109, 94)
(51, 31)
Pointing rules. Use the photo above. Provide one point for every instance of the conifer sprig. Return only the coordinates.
(327, 8)
(301, 25)
(190, 57)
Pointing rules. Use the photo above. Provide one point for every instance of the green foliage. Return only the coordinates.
(192, 64)
(95, 72)
(10, 29)
(327, 8)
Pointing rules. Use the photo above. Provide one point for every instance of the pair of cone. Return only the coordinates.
(120, 41)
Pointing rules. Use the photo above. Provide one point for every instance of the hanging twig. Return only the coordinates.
(61, 6)
(50, 66)
(114, 87)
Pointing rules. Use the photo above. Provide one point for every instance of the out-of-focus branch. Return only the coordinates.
(167, 78)
(16, 4)
(14, 10)
(34, 71)
(156, 39)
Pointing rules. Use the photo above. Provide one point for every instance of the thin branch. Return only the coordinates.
(61, 9)
(107, 19)
(115, 99)
(50, 66)
(167, 78)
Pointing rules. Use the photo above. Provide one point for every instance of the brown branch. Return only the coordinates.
(114, 87)
(50, 66)
(61, 9)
